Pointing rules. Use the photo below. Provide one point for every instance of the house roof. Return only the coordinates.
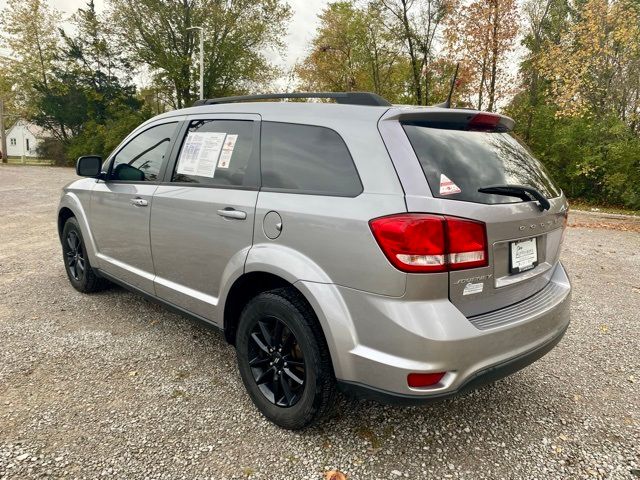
(35, 130)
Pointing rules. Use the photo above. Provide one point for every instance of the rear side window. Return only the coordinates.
(457, 163)
(219, 153)
(307, 159)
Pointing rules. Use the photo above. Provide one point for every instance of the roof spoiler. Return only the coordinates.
(452, 118)
(346, 98)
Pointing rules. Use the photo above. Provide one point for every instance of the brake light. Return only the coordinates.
(484, 122)
(424, 243)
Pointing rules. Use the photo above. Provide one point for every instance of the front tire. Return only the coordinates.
(76, 262)
(284, 360)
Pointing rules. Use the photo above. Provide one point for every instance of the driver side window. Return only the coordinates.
(141, 158)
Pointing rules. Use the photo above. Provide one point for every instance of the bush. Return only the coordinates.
(53, 149)
(595, 159)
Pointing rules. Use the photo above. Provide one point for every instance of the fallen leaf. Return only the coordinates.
(334, 475)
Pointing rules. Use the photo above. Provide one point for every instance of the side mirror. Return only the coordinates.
(89, 166)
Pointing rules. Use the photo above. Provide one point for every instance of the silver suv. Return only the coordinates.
(402, 254)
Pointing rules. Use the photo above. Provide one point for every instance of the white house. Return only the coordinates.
(23, 139)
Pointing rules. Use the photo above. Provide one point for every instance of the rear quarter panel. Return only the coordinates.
(327, 238)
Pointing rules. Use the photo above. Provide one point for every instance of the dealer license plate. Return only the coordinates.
(524, 255)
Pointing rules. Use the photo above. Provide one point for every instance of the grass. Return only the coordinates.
(29, 161)
(581, 205)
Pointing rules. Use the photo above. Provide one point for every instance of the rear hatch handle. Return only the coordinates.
(518, 191)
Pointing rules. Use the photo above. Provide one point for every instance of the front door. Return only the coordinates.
(121, 206)
(203, 213)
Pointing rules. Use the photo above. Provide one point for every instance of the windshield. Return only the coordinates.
(457, 163)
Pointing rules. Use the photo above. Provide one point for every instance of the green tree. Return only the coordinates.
(543, 23)
(89, 98)
(352, 50)
(29, 30)
(237, 32)
(568, 108)
(418, 25)
(594, 68)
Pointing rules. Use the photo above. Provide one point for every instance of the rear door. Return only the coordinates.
(203, 212)
(443, 166)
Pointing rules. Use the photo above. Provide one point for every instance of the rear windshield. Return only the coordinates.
(457, 163)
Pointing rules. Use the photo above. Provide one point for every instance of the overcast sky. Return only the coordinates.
(301, 27)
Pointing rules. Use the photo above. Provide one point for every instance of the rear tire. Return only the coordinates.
(280, 344)
(76, 262)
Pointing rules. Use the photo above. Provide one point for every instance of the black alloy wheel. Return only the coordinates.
(75, 255)
(284, 359)
(276, 361)
(76, 261)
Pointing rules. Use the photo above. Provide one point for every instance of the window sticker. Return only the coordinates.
(200, 153)
(447, 187)
(227, 151)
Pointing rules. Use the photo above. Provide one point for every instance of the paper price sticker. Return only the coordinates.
(200, 153)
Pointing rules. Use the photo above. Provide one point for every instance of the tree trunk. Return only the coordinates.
(494, 55)
(482, 79)
(417, 86)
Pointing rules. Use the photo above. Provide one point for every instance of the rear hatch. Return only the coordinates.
(462, 152)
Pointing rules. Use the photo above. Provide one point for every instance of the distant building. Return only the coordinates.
(23, 139)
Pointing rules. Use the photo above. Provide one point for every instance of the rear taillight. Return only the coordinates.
(422, 243)
(467, 243)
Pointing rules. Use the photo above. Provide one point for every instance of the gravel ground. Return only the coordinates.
(110, 385)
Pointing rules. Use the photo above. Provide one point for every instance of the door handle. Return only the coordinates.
(232, 213)
(139, 202)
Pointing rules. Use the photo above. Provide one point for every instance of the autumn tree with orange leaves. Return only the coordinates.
(482, 36)
(595, 67)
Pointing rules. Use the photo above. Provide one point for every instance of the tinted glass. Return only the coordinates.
(307, 159)
(141, 158)
(457, 163)
(219, 153)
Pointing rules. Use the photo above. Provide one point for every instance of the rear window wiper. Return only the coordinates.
(518, 191)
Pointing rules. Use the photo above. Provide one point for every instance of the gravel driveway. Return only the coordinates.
(112, 385)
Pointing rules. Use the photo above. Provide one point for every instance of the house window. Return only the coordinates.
(28, 145)
(13, 141)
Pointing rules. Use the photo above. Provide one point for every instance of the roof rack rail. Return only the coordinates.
(347, 98)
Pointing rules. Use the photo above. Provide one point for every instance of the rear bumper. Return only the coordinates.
(376, 341)
(484, 377)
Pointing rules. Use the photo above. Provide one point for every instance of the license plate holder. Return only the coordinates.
(523, 255)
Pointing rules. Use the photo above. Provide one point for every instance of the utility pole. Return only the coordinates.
(24, 159)
(201, 59)
(3, 143)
